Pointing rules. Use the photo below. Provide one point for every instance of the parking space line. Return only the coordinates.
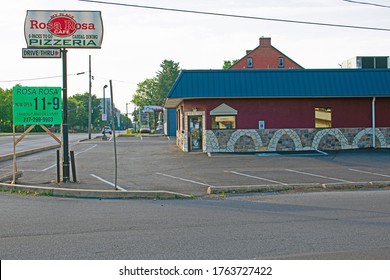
(371, 173)
(54, 165)
(109, 183)
(183, 179)
(322, 152)
(86, 150)
(50, 167)
(255, 177)
(319, 176)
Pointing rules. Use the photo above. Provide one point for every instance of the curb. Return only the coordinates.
(116, 194)
(285, 188)
(98, 194)
(29, 152)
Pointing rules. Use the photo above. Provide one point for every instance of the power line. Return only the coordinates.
(36, 79)
(238, 16)
(367, 3)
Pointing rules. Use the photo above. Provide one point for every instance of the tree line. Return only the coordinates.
(151, 91)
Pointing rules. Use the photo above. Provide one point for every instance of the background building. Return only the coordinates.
(367, 62)
(265, 56)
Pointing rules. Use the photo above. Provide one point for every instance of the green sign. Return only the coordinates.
(37, 105)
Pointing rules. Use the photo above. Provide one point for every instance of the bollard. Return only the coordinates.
(58, 167)
(73, 163)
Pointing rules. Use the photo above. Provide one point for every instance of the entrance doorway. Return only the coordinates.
(195, 133)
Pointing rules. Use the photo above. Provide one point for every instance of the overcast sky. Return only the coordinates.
(137, 40)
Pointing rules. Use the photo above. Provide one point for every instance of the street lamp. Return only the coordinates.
(104, 100)
(89, 98)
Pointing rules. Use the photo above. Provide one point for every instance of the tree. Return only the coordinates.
(6, 118)
(229, 63)
(166, 77)
(146, 93)
(78, 111)
(154, 90)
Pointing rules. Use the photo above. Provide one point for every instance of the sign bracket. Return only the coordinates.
(20, 138)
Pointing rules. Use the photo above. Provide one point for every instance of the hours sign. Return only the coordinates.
(37, 105)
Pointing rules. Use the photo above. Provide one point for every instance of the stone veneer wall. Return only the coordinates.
(252, 140)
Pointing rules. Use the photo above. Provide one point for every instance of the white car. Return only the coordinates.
(144, 129)
(106, 130)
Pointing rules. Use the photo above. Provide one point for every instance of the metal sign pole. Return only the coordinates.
(113, 135)
(89, 100)
(65, 130)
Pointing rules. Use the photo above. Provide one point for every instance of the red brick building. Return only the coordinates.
(265, 56)
(281, 110)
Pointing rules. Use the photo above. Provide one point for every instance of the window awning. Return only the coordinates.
(223, 110)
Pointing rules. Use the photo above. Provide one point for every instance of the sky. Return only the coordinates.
(137, 40)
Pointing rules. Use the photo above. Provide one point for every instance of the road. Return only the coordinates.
(334, 225)
(31, 141)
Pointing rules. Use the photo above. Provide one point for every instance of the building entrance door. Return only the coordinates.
(195, 133)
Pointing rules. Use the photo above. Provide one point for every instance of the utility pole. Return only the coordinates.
(89, 100)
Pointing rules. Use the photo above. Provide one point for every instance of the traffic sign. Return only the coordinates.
(41, 53)
(37, 105)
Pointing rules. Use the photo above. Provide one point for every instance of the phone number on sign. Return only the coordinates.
(37, 119)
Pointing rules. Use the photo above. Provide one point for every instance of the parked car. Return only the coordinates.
(144, 129)
(106, 129)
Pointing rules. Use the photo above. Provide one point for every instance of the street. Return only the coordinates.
(31, 141)
(333, 225)
(272, 225)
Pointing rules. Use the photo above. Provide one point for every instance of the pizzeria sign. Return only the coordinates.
(63, 29)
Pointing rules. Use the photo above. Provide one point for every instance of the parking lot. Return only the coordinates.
(155, 163)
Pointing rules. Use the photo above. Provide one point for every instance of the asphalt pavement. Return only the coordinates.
(154, 167)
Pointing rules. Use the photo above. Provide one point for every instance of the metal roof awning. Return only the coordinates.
(275, 83)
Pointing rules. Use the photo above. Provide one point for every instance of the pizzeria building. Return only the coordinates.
(255, 110)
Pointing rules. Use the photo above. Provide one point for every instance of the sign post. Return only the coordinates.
(65, 129)
(63, 29)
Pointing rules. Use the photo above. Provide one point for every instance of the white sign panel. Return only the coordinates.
(63, 29)
(144, 117)
(261, 124)
(41, 53)
(151, 109)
